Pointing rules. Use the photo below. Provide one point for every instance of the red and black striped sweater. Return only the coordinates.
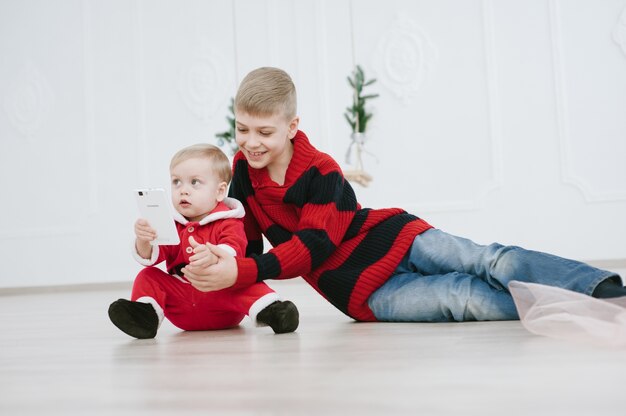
(319, 231)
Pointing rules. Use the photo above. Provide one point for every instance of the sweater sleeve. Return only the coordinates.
(240, 188)
(327, 206)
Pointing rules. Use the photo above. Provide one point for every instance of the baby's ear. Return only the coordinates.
(221, 191)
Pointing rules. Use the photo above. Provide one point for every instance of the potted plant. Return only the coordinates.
(357, 117)
(228, 136)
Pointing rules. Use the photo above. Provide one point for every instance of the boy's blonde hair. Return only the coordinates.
(267, 91)
(218, 159)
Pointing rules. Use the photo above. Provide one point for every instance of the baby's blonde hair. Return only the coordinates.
(267, 91)
(218, 160)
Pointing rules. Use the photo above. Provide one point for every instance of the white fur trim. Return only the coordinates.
(146, 262)
(236, 211)
(155, 305)
(179, 218)
(228, 249)
(260, 304)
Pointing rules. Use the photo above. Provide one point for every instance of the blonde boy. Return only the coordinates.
(200, 175)
(372, 264)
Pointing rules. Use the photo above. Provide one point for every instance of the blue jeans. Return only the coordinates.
(448, 278)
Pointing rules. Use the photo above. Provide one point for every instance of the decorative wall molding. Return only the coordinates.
(568, 174)
(619, 31)
(29, 100)
(495, 130)
(204, 80)
(405, 57)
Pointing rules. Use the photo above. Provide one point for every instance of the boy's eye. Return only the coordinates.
(241, 130)
(195, 181)
(175, 182)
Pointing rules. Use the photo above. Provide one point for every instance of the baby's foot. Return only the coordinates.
(281, 316)
(137, 319)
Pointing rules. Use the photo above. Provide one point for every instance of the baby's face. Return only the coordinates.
(195, 189)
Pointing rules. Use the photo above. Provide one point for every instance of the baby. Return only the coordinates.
(200, 175)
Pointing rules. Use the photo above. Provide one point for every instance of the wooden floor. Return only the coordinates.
(60, 355)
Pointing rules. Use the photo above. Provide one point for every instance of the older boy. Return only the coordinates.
(200, 175)
(373, 265)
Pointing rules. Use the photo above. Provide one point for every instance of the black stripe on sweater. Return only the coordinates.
(338, 284)
(314, 188)
(277, 234)
(319, 244)
(241, 187)
(357, 222)
(268, 266)
(254, 247)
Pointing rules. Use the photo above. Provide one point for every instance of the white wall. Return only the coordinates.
(498, 120)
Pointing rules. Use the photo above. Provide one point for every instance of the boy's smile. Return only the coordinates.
(266, 142)
(255, 156)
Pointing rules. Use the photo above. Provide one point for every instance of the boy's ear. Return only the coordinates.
(293, 126)
(221, 191)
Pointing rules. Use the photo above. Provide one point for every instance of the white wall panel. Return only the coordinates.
(498, 120)
(432, 132)
(591, 74)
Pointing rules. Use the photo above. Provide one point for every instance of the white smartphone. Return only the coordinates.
(156, 208)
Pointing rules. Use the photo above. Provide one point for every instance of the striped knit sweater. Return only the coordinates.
(319, 231)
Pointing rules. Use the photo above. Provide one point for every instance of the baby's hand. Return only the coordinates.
(202, 256)
(143, 231)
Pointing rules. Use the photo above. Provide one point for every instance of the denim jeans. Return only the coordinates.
(448, 278)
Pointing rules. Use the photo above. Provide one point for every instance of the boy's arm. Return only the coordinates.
(251, 227)
(328, 205)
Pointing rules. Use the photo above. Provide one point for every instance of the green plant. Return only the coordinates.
(228, 136)
(357, 115)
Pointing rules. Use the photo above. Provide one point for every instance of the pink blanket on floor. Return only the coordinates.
(560, 313)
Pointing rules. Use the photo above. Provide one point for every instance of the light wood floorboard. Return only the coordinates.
(60, 355)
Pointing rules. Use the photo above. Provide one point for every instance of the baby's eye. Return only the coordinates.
(195, 181)
(175, 182)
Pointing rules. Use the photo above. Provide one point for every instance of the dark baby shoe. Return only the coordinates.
(136, 319)
(281, 316)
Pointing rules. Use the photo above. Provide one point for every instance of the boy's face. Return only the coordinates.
(265, 140)
(195, 189)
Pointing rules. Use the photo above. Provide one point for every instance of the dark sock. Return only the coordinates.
(281, 316)
(609, 288)
(136, 319)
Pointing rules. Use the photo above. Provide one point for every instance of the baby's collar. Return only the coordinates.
(235, 210)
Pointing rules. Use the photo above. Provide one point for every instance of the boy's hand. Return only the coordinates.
(217, 276)
(143, 231)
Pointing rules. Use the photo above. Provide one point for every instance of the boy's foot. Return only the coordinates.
(281, 316)
(137, 319)
(609, 288)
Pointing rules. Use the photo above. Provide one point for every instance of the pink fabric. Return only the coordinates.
(563, 314)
